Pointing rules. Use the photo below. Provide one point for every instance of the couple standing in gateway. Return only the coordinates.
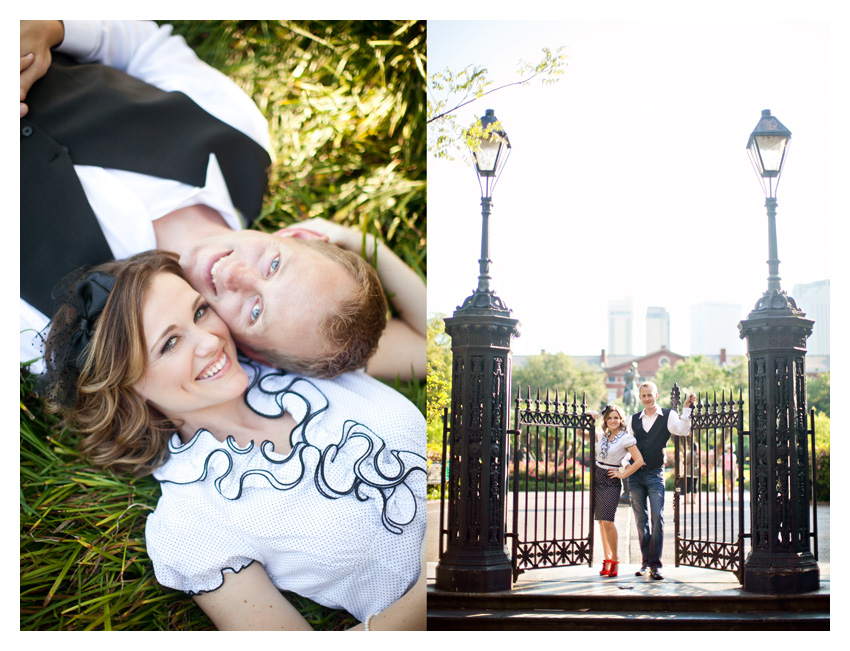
(643, 436)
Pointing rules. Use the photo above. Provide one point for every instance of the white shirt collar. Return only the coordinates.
(657, 412)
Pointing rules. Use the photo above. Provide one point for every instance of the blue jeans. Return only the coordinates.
(648, 485)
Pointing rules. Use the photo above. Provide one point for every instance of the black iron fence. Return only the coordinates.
(551, 473)
(712, 486)
(709, 508)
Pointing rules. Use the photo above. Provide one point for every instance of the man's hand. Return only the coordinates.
(343, 236)
(690, 400)
(37, 37)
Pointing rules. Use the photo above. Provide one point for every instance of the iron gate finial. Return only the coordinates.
(675, 394)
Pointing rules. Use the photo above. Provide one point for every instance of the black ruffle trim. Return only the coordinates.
(192, 593)
(387, 484)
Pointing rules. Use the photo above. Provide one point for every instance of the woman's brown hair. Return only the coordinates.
(120, 430)
(607, 412)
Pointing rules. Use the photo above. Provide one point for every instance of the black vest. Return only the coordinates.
(91, 114)
(652, 443)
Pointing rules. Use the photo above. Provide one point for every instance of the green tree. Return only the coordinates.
(558, 371)
(439, 377)
(818, 390)
(697, 374)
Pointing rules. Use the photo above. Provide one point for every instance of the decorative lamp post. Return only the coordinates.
(490, 159)
(776, 330)
(767, 147)
(476, 558)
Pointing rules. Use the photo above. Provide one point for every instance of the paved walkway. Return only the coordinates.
(586, 580)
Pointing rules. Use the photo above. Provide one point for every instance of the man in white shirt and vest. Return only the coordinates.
(652, 428)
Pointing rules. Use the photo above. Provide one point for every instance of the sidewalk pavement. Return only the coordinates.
(579, 578)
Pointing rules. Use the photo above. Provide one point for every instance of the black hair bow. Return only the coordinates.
(90, 298)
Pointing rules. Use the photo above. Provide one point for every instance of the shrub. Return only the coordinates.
(534, 475)
(822, 459)
(822, 456)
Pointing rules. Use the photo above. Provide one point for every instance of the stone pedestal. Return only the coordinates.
(476, 558)
(781, 559)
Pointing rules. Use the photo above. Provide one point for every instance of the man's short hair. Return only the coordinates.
(651, 385)
(351, 332)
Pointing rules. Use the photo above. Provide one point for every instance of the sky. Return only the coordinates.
(630, 178)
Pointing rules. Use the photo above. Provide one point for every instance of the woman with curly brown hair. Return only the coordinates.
(270, 481)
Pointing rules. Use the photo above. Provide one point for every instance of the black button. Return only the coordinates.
(26, 131)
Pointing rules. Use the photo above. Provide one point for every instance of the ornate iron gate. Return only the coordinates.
(550, 480)
(709, 508)
(551, 469)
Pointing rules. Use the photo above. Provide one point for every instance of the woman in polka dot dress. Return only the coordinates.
(613, 442)
(270, 481)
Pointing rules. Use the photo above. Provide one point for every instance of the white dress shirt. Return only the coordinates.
(678, 425)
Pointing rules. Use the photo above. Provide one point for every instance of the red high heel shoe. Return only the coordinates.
(606, 566)
(613, 567)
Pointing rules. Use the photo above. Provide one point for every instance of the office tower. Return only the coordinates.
(620, 327)
(657, 329)
(813, 299)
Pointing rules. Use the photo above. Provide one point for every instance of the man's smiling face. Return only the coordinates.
(648, 397)
(273, 292)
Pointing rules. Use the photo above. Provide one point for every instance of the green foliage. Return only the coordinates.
(818, 393)
(439, 378)
(414, 390)
(460, 88)
(534, 480)
(821, 431)
(700, 375)
(822, 460)
(822, 455)
(559, 371)
(449, 91)
(82, 538)
(552, 460)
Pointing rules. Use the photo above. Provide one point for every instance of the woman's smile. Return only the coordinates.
(191, 360)
(219, 367)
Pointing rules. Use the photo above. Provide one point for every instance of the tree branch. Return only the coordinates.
(514, 83)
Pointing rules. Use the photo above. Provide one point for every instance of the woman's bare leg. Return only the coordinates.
(609, 539)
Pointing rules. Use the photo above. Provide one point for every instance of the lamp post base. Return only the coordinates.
(782, 574)
(464, 572)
